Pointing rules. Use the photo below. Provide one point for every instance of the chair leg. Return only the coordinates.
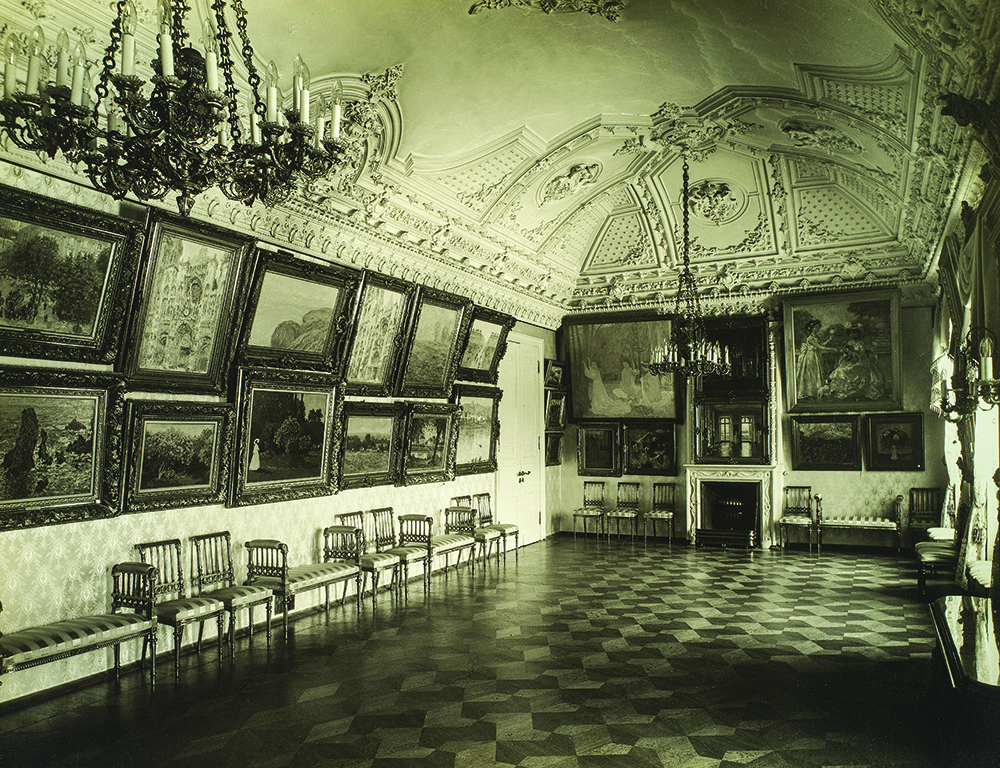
(267, 610)
(517, 547)
(152, 657)
(250, 622)
(220, 621)
(118, 661)
(232, 633)
(178, 636)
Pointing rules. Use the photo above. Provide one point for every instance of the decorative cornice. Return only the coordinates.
(608, 9)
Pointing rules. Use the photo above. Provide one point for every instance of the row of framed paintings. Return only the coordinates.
(78, 446)
(162, 302)
(611, 449)
(892, 442)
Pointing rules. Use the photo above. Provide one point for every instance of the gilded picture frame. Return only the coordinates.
(66, 278)
(438, 327)
(485, 346)
(285, 436)
(185, 320)
(598, 449)
(650, 448)
(842, 353)
(378, 335)
(478, 426)
(829, 443)
(555, 410)
(60, 447)
(180, 454)
(430, 440)
(894, 442)
(371, 444)
(553, 449)
(300, 313)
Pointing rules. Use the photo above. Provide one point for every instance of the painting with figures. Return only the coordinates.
(287, 435)
(47, 448)
(842, 352)
(609, 374)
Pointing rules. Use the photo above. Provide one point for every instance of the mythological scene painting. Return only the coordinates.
(650, 449)
(609, 374)
(368, 444)
(177, 455)
(293, 314)
(287, 435)
(432, 346)
(184, 306)
(48, 448)
(52, 281)
(377, 329)
(482, 347)
(842, 353)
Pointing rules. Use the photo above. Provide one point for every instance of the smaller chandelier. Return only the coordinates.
(181, 131)
(973, 385)
(689, 352)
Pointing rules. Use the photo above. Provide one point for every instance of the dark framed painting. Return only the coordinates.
(180, 454)
(826, 443)
(895, 441)
(60, 447)
(378, 335)
(478, 429)
(485, 346)
(554, 371)
(598, 449)
(300, 313)
(194, 281)
(439, 325)
(429, 443)
(371, 443)
(66, 278)
(285, 436)
(609, 371)
(650, 449)
(553, 449)
(842, 353)
(555, 410)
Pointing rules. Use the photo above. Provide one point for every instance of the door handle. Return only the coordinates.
(523, 473)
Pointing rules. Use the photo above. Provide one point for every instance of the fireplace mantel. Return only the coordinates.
(733, 473)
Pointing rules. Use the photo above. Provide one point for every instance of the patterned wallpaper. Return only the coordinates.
(62, 571)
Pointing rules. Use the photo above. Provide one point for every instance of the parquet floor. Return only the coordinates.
(583, 654)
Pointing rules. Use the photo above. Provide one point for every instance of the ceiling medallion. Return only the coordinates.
(717, 201)
(609, 9)
(573, 181)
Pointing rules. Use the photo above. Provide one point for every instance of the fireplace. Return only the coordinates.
(729, 506)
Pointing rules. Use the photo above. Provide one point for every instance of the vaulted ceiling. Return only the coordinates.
(536, 156)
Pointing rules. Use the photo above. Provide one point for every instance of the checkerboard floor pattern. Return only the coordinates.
(586, 653)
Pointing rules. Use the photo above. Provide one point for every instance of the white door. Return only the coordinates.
(520, 472)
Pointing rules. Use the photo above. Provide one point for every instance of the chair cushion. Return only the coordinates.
(941, 534)
(503, 527)
(408, 554)
(305, 576)
(447, 542)
(376, 561)
(486, 534)
(37, 643)
(660, 514)
(237, 597)
(587, 512)
(980, 577)
(624, 512)
(795, 520)
(187, 609)
(859, 521)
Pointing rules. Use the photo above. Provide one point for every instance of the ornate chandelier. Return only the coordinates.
(182, 131)
(689, 351)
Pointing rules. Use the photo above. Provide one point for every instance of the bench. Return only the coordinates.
(858, 522)
(267, 566)
(131, 618)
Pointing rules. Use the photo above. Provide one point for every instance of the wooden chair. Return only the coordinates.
(413, 544)
(593, 506)
(373, 563)
(925, 512)
(177, 610)
(487, 538)
(267, 566)
(214, 577)
(342, 546)
(459, 535)
(797, 513)
(662, 509)
(484, 506)
(937, 556)
(626, 508)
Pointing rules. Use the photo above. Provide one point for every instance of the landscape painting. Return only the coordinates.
(378, 335)
(371, 444)
(432, 359)
(842, 352)
(826, 443)
(609, 371)
(478, 429)
(485, 346)
(429, 443)
(66, 274)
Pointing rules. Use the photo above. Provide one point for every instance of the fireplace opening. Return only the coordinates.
(730, 513)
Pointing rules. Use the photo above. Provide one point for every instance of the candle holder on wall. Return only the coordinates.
(973, 385)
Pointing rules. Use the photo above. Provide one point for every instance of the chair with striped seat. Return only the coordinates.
(267, 566)
(374, 562)
(465, 520)
(483, 504)
(626, 509)
(798, 513)
(215, 577)
(661, 510)
(413, 545)
(173, 607)
(593, 506)
(487, 538)
(459, 527)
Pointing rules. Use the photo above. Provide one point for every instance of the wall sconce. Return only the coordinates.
(973, 385)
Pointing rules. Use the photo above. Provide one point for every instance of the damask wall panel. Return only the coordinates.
(62, 571)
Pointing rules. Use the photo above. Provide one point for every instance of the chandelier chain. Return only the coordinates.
(253, 77)
(226, 60)
(108, 61)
